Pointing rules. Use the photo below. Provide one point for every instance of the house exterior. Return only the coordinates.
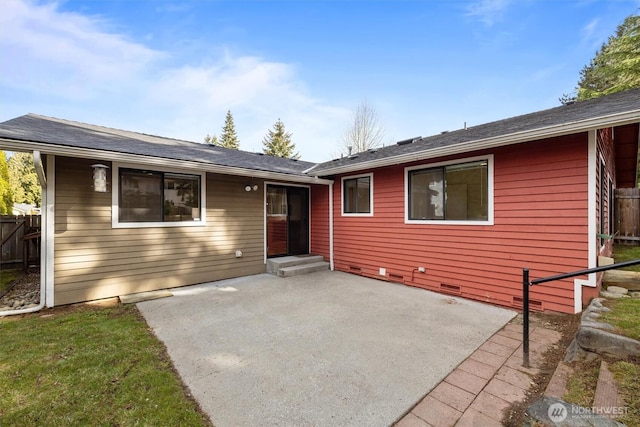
(459, 213)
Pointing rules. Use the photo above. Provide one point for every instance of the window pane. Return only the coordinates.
(349, 193)
(364, 194)
(276, 201)
(140, 196)
(426, 194)
(466, 191)
(181, 197)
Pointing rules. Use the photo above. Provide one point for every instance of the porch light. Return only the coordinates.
(100, 177)
(249, 187)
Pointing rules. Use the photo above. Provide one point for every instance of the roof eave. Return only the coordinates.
(617, 119)
(61, 150)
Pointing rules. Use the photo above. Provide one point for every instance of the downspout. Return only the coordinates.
(37, 163)
(331, 226)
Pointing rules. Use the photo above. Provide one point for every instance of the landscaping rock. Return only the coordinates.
(606, 344)
(634, 295)
(611, 295)
(617, 290)
(555, 412)
(576, 353)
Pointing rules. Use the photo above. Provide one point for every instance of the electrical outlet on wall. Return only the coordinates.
(383, 271)
(422, 269)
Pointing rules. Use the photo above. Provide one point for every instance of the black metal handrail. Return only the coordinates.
(526, 283)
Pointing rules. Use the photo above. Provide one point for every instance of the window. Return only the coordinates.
(457, 192)
(357, 195)
(158, 197)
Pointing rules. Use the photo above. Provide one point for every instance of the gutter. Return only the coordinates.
(37, 162)
(59, 150)
(617, 119)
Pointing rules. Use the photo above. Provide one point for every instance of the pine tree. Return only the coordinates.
(6, 196)
(615, 67)
(278, 143)
(211, 140)
(228, 137)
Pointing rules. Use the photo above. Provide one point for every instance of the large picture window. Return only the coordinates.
(357, 195)
(449, 192)
(151, 196)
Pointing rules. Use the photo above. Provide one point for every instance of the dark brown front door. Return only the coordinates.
(287, 220)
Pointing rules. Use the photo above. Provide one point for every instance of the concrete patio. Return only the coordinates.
(326, 348)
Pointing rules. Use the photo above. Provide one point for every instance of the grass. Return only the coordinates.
(6, 278)
(626, 375)
(581, 385)
(622, 253)
(625, 316)
(88, 365)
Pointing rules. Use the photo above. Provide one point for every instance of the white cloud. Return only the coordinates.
(488, 11)
(71, 66)
(44, 49)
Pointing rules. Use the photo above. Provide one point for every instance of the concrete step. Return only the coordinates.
(275, 264)
(297, 270)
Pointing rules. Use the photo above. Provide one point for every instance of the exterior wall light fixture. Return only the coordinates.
(249, 187)
(100, 177)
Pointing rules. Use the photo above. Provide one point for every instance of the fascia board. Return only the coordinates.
(493, 142)
(60, 150)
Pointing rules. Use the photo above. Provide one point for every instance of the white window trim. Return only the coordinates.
(345, 178)
(490, 195)
(115, 198)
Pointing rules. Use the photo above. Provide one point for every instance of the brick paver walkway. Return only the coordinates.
(478, 391)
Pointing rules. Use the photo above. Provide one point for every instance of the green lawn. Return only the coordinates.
(625, 316)
(622, 253)
(88, 365)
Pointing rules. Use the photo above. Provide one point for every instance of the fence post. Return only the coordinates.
(525, 317)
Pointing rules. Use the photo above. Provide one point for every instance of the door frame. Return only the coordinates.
(264, 211)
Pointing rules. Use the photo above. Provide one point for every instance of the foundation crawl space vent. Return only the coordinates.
(398, 278)
(534, 304)
(449, 289)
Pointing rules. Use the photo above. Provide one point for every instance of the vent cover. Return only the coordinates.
(533, 303)
(450, 289)
(398, 278)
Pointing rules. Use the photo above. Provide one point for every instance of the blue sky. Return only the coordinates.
(173, 68)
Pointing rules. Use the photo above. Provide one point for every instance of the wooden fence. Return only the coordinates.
(627, 216)
(20, 237)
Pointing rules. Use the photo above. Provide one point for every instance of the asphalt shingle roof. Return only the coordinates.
(36, 128)
(616, 103)
(48, 130)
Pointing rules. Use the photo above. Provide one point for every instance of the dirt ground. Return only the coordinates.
(567, 325)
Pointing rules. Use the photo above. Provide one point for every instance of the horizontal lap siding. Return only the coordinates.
(93, 260)
(540, 200)
(320, 220)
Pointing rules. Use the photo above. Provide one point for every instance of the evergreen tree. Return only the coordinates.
(615, 67)
(211, 140)
(6, 197)
(278, 143)
(228, 137)
(23, 179)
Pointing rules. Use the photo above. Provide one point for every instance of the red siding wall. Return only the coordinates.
(540, 196)
(320, 220)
